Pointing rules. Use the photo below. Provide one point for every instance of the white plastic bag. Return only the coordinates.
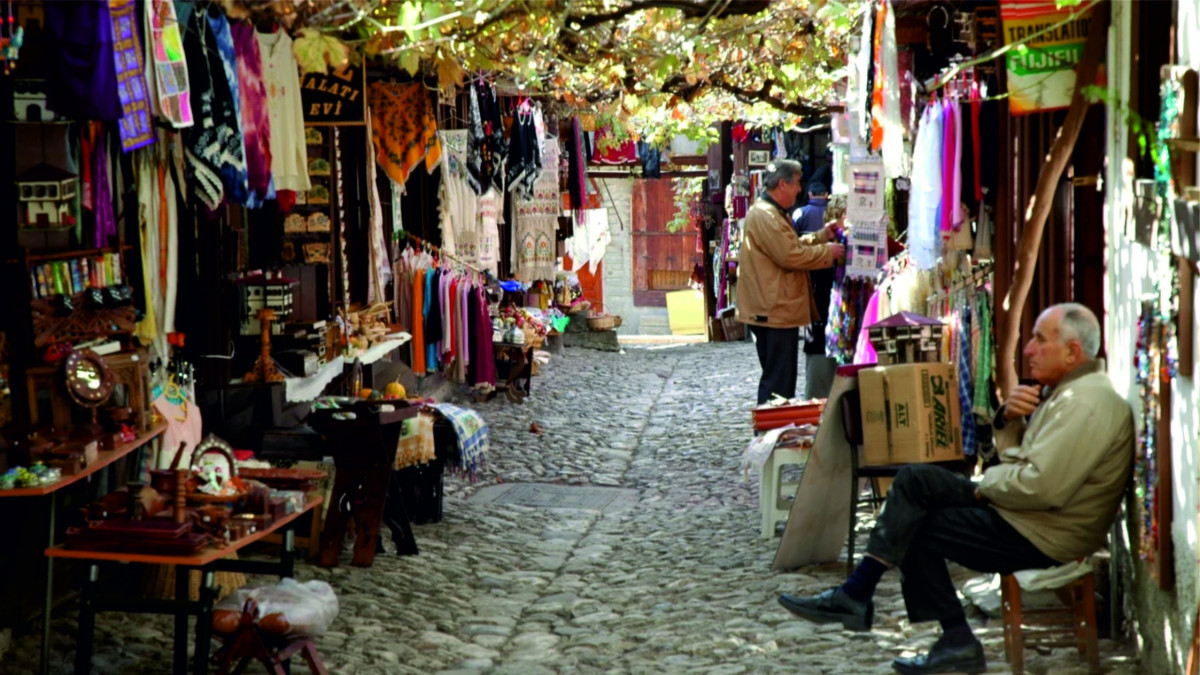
(309, 608)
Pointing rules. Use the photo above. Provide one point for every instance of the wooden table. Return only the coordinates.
(104, 458)
(520, 372)
(208, 561)
(362, 440)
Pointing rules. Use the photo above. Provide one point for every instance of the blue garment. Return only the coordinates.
(812, 216)
(651, 160)
(966, 389)
(431, 314)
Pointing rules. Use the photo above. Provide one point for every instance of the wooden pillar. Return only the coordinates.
(1039, 208)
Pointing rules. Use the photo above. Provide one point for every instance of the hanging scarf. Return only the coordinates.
(233, 166)
(102, 200)
(213, 141)
(380, 267)
(577, 178)
(131, 84)
(403, 128)
(167, 70)
(256, 121)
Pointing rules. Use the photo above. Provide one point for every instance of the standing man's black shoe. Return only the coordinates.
(830, 606)
(944, 658)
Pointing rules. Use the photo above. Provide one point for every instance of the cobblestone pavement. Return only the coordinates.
(679, 582)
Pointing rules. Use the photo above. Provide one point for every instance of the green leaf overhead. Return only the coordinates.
(664, 65)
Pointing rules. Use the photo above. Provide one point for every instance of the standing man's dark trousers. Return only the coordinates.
(778, 353)
(930, 516)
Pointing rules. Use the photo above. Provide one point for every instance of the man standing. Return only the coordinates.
(773, 295)
(818, 368)
(1066, 450)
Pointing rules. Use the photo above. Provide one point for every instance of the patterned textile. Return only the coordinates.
(471, 433)
(983, 371)
(534, 256)
(131, 83)
(458, 204)
(416, 442)
(491, 210)
(214, 140)
(167, 74)
(966, 390)
(403, 128)
(233, 170)
(524, 156)
(256, 121)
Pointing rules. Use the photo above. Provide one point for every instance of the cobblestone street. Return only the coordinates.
(670, 576)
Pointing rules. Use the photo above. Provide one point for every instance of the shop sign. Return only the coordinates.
(1041, 73)
(337, 97)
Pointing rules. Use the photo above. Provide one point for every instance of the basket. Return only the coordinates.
(599, 323)
(532, 339)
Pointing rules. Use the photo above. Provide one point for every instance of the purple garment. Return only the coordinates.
(102, 201)
(483, 361)
(256, 123)
(81, 80)
(949, 142)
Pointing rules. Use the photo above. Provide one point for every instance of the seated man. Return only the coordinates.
(1050, 501)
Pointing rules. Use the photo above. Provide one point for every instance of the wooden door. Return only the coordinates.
(662, 260)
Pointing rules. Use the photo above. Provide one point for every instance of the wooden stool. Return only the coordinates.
(249, 643)
(1072, 625)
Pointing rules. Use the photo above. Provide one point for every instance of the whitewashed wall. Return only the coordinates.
(1164, 619)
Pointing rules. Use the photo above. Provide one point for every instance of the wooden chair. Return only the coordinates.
(249, 643)
(1072, 625)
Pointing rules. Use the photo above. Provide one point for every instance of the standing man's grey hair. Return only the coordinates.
(1077, 322)
(780, 170)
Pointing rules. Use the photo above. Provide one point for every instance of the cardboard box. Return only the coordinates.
(910, 413)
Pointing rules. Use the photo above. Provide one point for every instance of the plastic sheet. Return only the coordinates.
(307, 608)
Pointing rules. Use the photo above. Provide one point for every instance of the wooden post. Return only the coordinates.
(1043, 199)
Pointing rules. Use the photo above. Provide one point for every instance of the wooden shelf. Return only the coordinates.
(105, 458)
(84, 253)
(203, 557)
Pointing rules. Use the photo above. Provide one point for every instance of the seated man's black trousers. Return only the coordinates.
(930, 516)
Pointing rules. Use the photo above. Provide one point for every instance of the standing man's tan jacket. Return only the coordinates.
(773, 287)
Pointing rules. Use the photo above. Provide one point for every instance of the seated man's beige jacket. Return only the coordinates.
(1063, 474)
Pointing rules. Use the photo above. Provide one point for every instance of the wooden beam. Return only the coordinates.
(1038, 210)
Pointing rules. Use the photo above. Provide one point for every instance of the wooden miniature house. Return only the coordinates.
(47, 193)
(264, 291)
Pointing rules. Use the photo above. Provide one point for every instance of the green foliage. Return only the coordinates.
(657, 68)
(689, 197)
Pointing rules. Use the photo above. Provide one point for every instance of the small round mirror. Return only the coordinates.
(89, 381)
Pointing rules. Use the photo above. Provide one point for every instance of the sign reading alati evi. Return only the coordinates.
(338, 97)
(1041, 71)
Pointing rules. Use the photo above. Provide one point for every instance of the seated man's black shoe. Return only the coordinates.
(944, 658)
(830, 606)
